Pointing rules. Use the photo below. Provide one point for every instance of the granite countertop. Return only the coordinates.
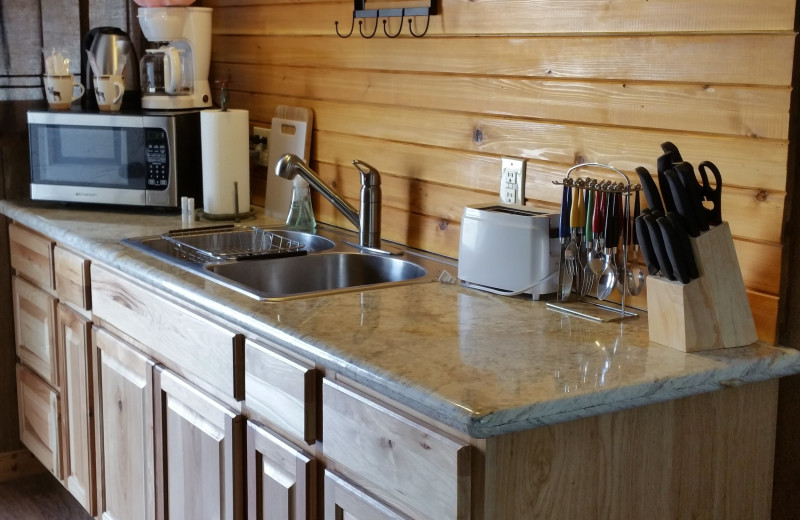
(485, 365)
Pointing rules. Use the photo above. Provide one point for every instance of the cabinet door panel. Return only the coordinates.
(198, 453)
(39, 419)
(281, 478)
(31, 255)
(344, 501)
(78, 396)
(35, 329)
(125, 403)
(72, 278)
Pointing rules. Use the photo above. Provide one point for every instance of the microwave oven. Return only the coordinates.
(133, 159)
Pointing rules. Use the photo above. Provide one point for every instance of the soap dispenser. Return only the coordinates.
(301, 214)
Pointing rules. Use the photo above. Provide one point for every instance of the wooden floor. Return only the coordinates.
(38, 497)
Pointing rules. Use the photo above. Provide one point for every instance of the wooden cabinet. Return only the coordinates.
(74, 334)
(32, 256)
(35, 329)
(281, 479)
(198, 453)
(344, 500)
(40, 419)
(126, 452)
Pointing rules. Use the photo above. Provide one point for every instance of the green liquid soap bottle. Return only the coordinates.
(301, 214)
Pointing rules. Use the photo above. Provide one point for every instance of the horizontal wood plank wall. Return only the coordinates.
(554, 83)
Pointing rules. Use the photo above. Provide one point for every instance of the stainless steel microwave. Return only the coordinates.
(134, 159)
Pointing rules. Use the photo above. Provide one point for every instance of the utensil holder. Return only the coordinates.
(709, 312)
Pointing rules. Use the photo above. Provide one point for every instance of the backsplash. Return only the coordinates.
(595, 82)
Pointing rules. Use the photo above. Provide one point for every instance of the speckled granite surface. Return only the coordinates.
(483, 364)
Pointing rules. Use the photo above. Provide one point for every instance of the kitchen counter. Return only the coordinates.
(485, 365)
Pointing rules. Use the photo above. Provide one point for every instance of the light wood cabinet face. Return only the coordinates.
(78, 398)
(281, 479)
(35, 329)
(32, 256)
(125, 418)
(198, 453)
(72, 278)
(344, 501)
(40, 419)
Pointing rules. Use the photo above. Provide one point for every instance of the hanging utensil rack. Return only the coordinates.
(361, 12)
(576, 302)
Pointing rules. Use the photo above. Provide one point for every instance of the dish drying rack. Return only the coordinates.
(577, 302)
(215, 244)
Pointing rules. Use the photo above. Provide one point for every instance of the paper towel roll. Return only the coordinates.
(224, 136)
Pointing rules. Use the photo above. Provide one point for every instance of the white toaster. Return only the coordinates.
(509, 248)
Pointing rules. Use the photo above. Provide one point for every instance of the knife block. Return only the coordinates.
(709, 312)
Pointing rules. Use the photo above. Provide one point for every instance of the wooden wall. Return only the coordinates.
(555, 82)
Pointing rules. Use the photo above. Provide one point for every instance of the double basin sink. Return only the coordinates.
(279, 264)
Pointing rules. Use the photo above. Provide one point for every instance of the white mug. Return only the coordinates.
(60, 91)
(109, 91)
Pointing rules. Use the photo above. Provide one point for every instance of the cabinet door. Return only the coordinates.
(344, 501)
(35, 329)
(198, 453)
(39, 419)
(77, 395)
(281, 478)
(125, 429)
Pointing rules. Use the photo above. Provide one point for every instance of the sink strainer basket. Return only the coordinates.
(236, 243)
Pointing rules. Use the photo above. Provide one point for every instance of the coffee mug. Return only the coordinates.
(109, 90)
(60, 91)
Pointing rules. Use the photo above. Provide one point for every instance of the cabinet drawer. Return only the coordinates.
(72, 278)
(40, 419)
(344, 500)
(186, 343)
(35, 329)
(31, 255)
(281, 391)
(407, 465)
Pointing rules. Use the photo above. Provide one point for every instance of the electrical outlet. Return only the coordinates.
(263, 146)
(512, 181)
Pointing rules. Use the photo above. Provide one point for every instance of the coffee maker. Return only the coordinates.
(175, 74)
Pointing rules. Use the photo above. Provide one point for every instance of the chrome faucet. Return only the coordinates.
(367, 219)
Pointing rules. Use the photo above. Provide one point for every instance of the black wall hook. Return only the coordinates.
(362, 13)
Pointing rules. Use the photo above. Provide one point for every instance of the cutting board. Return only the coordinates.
(290, 133)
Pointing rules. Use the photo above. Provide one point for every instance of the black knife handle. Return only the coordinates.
(685, 244)
(650, 189)
(563, 221)
(670, 148)
(657, 239)
(672, 245)
(694, 194)
(646, 245)
(664, 165)
(682, 204)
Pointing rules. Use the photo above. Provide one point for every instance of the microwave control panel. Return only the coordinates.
(157, 159)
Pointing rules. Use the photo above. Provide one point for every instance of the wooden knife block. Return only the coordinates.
(709, 312)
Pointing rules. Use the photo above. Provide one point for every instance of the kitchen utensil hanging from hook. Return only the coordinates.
(411, 13)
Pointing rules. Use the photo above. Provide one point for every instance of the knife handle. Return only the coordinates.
(646, 245)
(598, 219)
(650, 189)
(665, 165)
(682, 204)
(684, 244)
(563, 220)
(672, 150)
(578, 211)
(673, 249)
(589, 214)
(657, 239)
(693, 194)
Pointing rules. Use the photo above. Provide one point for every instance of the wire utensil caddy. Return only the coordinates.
(579, 272)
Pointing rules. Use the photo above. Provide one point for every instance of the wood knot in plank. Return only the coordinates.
(761, 196)
(478, 136)
(443, 224)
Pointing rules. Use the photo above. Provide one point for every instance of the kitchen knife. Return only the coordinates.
(565, 275)
(646, 245)
(683, 205)
(650, 189)
(664, 164)
(693, 194)
(657, 240)
(684, 244)
(672, 245)
(668, 147)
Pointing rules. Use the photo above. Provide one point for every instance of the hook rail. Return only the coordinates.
(411, 13)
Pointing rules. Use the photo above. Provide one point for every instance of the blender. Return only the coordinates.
(175, 74)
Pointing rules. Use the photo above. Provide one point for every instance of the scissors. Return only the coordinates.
(711, 195)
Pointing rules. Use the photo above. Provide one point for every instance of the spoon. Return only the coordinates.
(608, 278)
(635, 273)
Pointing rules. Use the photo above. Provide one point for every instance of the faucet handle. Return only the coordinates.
(369, 175)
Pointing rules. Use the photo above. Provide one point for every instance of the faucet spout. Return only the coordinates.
(367, 220)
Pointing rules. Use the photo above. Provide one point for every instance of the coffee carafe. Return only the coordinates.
(175, 74)
(113, 52)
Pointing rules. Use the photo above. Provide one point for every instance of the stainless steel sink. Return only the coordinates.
(312, 263)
